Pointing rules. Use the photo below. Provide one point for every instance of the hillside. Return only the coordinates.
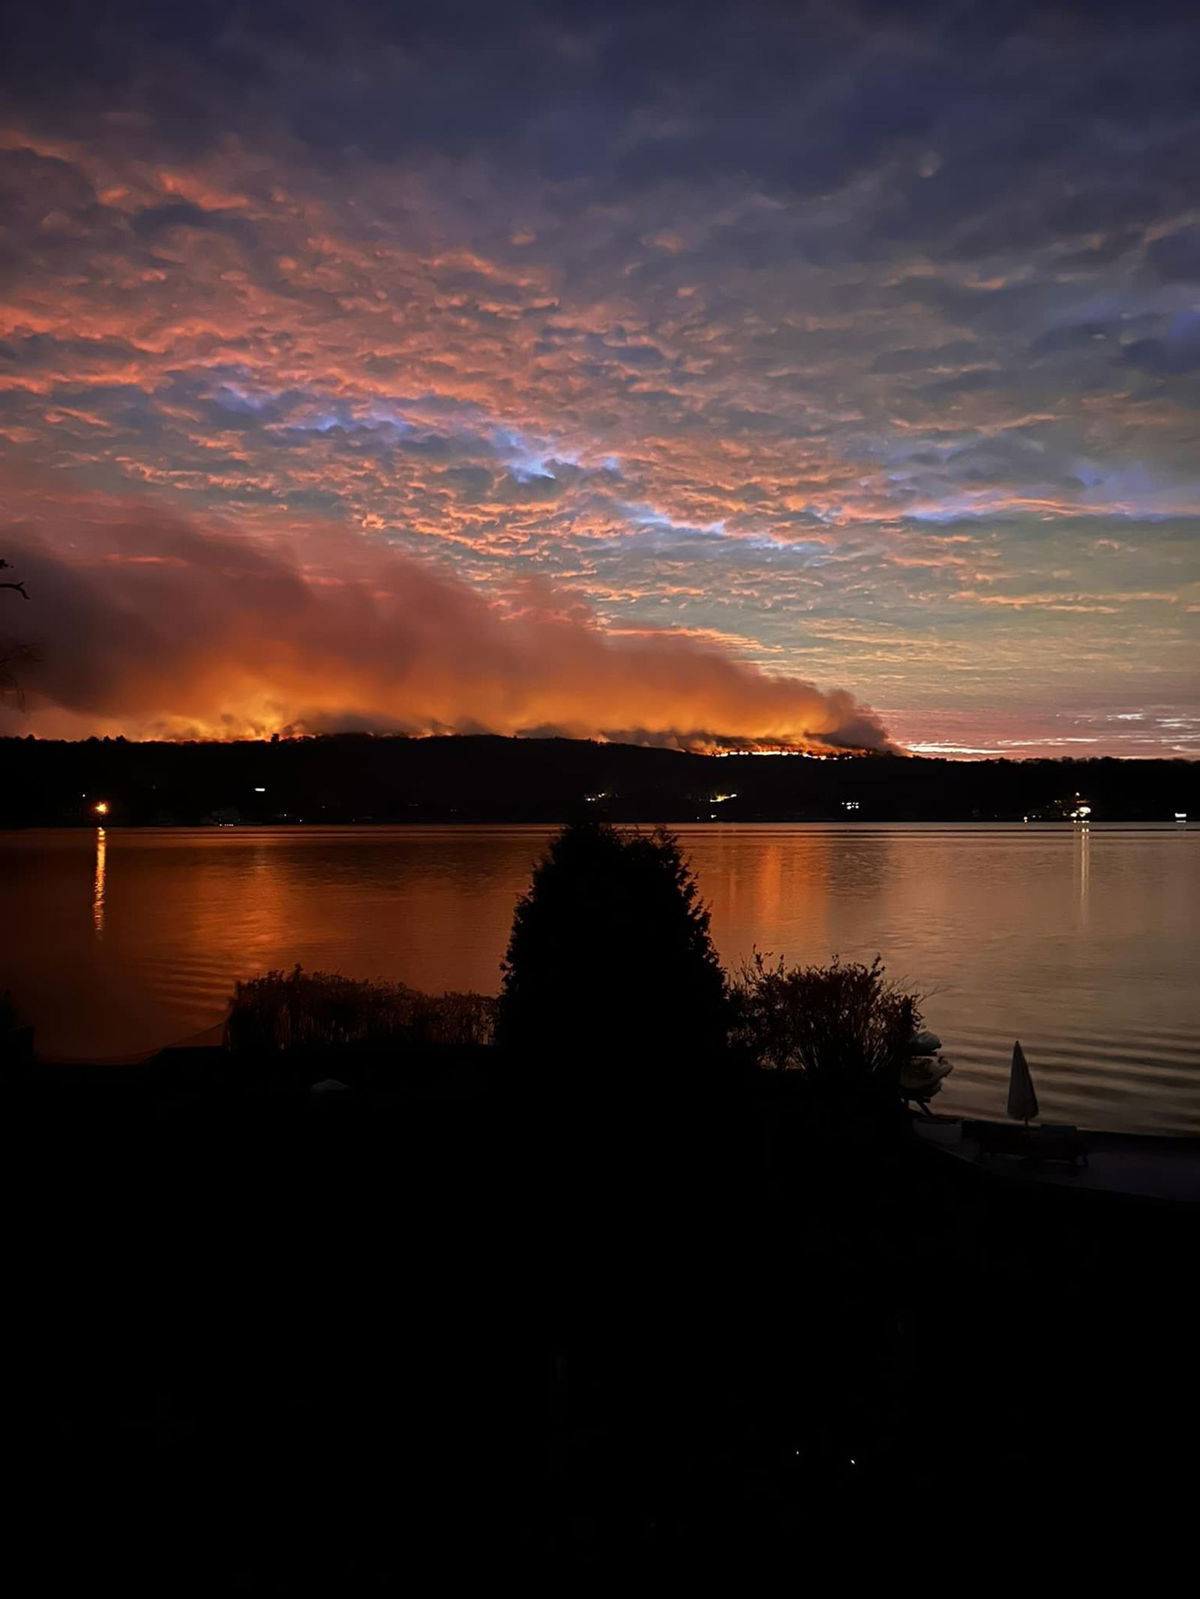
(358, 778)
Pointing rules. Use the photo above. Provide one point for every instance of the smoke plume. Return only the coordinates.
(149, 625)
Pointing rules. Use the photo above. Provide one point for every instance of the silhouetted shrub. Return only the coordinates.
(844, 1026)
(610, 959)
(458, 1018)
(298, 1009)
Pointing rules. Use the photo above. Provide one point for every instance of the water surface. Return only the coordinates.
(1082, 942)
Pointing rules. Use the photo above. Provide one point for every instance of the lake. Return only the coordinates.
(1080, 941)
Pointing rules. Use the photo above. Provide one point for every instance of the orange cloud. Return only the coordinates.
(155, 625)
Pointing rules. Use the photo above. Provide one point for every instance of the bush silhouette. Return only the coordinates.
(610, 960)
(304, 1010)
(844, 1027)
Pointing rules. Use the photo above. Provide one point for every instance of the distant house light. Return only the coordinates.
(101, 807)
(260, 791)
(851, 805)
(1181, 816)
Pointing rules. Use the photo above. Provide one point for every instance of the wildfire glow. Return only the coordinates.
(211, 633)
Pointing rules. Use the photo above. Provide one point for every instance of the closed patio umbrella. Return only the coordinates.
(1022, 1097)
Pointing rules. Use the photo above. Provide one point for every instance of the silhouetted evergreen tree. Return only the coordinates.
(610, 960)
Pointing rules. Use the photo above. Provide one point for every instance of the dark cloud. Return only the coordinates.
(1176, 352)
(1071, 337)
(930, 359)
(1176, 257)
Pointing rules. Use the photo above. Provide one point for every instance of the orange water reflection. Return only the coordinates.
(1078, 941)
(99, 882)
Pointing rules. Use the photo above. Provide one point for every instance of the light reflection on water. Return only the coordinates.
(1083, 858)
(98, 882)
(1081, 941)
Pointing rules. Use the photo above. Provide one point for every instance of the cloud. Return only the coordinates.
(717, 320)
(1177, 255)
(154, 624)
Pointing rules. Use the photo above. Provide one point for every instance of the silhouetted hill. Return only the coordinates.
(360, 778)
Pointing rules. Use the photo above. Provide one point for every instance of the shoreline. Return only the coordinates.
(697, 823)
(1130, 1164)
(545, 781)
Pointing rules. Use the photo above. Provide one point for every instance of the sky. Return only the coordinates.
(695, 372)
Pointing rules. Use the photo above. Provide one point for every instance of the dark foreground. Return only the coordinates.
(266, 1341)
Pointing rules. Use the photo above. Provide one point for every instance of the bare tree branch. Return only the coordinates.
(12, 655)
(6, 566)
